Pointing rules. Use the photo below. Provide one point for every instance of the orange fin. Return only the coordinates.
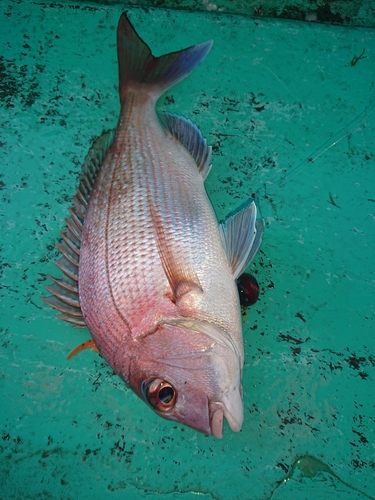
(89, 344)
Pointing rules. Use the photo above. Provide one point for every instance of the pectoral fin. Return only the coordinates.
(177, 266)
(181, 276)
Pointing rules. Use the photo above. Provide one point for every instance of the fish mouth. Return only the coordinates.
(219, 411)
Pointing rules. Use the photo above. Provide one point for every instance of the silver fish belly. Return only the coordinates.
(156, 271)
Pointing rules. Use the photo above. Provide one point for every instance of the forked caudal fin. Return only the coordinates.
(138, 65)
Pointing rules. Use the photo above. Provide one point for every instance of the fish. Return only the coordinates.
(146, 265)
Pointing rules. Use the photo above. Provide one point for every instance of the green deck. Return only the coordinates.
(274, 98)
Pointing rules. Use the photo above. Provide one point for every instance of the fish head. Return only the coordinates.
(190, 372)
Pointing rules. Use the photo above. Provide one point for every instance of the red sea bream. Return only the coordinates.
(147, 267)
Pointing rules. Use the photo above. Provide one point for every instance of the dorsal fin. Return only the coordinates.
(191, 138)
(64, 292)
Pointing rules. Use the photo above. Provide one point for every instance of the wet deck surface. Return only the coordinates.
(290, 115)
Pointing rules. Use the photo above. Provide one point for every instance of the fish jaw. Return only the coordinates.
(231, 408)
(204, 373)
(229, 404)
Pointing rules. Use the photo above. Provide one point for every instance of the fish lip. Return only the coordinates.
(232, 421)
(217, 421)
(218, 412)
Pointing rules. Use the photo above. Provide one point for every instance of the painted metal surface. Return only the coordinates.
(291, 119)
(348, 13)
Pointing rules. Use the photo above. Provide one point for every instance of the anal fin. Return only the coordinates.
(191, 138)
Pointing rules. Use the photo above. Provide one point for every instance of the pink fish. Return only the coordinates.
(147, 267)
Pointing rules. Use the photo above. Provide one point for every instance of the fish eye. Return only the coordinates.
(160, 394)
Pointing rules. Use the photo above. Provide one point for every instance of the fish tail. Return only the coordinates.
(138, 66)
